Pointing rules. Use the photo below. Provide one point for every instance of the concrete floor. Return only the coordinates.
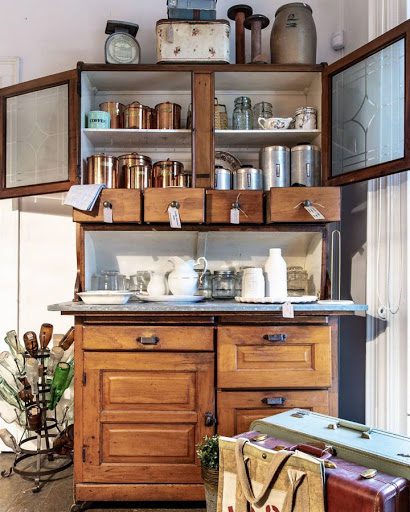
(57, 496)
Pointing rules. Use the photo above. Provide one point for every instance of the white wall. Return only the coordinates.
(51, 37)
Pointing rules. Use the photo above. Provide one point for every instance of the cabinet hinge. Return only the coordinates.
(84, 453)
(84, 378)
(79, 173)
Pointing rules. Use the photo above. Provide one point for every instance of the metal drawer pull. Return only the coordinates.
(148, 340)
(274, 400)
(210, 419)
(275, 337)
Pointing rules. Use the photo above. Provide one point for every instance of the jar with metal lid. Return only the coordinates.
(297, 281)
(305, 165)
(204, 283)
(262, 109)
(306, 118)
(293, 38)
(223, 178)
(248, 178)
(168, 116)
(223, 284)
(242, 118)
(135, 116)
(102, 168)
(165, 173)
(275, 164)
(220, 116)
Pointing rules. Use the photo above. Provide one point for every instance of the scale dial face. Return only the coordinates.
(121, 48)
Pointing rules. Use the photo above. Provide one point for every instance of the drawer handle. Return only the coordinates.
(148, 340)
(274, 401)
(210, 419)
(275, 337)
(107, 204)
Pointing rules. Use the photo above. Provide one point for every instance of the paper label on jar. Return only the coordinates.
(314, 212)
(234, 216)
(174, 218)
(287, 310)
(107, 214)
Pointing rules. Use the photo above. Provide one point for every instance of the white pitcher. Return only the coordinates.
(183, 280)
(157, 284)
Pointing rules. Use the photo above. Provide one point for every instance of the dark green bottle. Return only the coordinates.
(59, 384)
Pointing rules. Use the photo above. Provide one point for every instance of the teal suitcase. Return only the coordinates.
(354, 442)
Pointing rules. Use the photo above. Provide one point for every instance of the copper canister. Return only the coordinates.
(165, 173)
(115, 110)
(152, 119)
(137, 170)
(136, 116)
(168, 116)
(184, 179)
(103, 168)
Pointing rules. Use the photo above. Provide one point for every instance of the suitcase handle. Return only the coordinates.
(363, 429)
(324, 454)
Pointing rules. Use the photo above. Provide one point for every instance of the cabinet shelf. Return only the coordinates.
(259, 138)
(131, 139)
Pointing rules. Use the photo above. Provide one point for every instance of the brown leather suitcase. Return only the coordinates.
(347, 488)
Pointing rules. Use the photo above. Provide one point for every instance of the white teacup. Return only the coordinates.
(274, 123)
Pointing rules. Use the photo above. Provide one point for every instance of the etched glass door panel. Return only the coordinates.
(368, 111)
(37, 137)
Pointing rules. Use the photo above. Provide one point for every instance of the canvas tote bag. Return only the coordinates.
(255, 479)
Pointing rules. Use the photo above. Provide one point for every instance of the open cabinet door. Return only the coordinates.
(366, 110)
(39, 143)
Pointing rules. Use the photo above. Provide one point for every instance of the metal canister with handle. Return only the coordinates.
(247, 178)
(305, 165)
(275, 164)
(168, 116)
(103, 168)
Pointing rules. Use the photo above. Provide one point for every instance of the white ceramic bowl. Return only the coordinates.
(105, 297)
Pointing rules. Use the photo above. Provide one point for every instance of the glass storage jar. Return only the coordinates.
(261, 109)
(204, 284)
(242, 118)
(223, 284)
(297, 281)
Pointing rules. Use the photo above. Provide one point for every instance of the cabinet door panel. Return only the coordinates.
(238, 409)
(40, 141)
(366, 108)
(145, 416)
(274, 357)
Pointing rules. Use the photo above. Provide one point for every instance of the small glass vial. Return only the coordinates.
(223, 284)
(261, 109)
(242, 118)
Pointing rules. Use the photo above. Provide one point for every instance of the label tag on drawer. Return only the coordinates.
(287, 310)
(234, 215)
(314, 212)
(174, 218)
(107, 214)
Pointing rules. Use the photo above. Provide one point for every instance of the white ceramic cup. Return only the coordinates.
(274, 123)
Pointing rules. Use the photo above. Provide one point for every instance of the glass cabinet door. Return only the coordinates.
(39, 144)
(367, 110)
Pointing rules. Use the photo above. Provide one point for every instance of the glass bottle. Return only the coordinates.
(8, 369)
(32, 374)
(16, 349)
(9, 413)
(46, 333)
(261, 109)
(56, 354)
(242, 118)
(9, 440)
(34, 418)
(68, 339)
(59, 384)
(31, 343)
(8, 394)
(204, 283)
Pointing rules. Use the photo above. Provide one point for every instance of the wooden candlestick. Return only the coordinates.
(256, 23)
(239, 13)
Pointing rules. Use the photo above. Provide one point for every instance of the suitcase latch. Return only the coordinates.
(368, 473)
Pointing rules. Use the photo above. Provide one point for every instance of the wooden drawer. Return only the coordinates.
(191, 204)
(125, 203)
(248, 359)
(238, 409)
(127, 337)
(286, 204)
(219, 204)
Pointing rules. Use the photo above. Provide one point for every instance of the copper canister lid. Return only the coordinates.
(134, 159)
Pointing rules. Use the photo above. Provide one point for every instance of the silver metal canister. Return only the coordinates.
(293, 39)
(275, 164)
(306, 165)
(223, 178)
(248, 178)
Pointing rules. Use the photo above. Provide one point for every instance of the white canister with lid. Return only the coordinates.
(276, 275)
(253, 283)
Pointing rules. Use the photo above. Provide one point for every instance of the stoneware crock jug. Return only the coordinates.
(183, 280)
(157, 284)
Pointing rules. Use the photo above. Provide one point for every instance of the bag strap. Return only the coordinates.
(276, 463)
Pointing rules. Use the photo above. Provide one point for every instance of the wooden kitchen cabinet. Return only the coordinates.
(143, 415)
